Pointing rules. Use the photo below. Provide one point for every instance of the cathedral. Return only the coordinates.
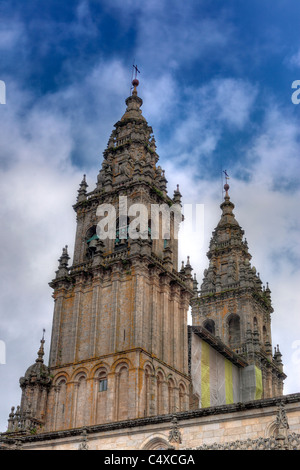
(125, 369)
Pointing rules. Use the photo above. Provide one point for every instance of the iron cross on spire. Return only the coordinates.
(226, 185)
(136, 70)
(134, 81)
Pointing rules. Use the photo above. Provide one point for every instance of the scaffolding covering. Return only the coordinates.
(219, 381)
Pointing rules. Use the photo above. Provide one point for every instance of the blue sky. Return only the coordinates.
(216, 82)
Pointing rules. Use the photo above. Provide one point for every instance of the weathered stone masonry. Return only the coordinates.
(125, 371)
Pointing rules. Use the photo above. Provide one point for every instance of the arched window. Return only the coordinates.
(209, 325)
(102, 381)
(160, 382)
(148, 386)
(182, 396)
(81, 401)
(61, 395)
(122, 392)
(171, 396)
(101, 397)
(234, 331)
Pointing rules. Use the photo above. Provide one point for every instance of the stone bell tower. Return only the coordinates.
(234, 305)
(119, 336)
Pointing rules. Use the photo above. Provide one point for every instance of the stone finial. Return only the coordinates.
(277, 357)
(12, 412)
(182, 267)
(133, 103)
(153, 144)
(82, 190)
(188, 268)
(195, 284)
(41, 352)
(188, 273)
(268, 292)
(63, 263)
(177, 196)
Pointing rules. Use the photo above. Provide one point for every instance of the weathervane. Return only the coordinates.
(226, 175)
(134, 80)
(136, 70)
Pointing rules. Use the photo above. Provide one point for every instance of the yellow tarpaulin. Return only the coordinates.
(215, 378)
(258, 380)
(205, 376)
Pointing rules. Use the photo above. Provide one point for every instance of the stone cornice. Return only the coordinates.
(99, 196)
(5, 438)
(237, 292)
(108, 261)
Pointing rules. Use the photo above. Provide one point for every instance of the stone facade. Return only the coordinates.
(125, 370)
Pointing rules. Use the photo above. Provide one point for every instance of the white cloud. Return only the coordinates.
(170, 36)
(294, 60)
(11, 34)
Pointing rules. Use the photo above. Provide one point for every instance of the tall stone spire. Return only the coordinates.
(229, 258)
(233, 303)
(121, 307)
(129, 167)
(131, 151)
